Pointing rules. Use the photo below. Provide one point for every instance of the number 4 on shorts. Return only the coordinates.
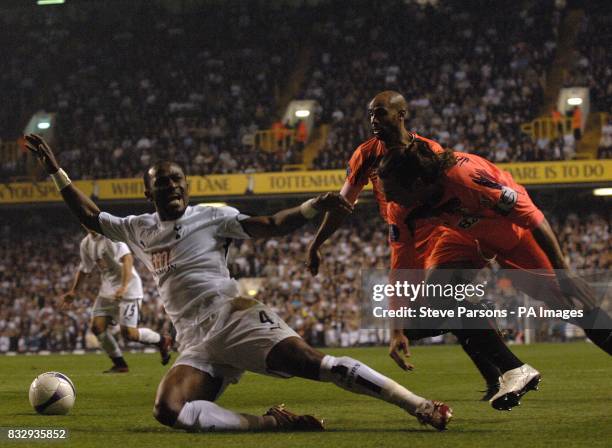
(264, 318)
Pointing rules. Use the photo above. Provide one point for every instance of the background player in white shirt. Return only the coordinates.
(221, 334)
(118, 298)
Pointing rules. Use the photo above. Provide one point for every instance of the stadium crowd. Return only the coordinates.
(38, 266)
(163, 85)
(591, 62)
(135, 83)
(591, 67)
(472, 75)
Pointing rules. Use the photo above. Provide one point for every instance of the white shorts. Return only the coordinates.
(124, 312)
(236, 338)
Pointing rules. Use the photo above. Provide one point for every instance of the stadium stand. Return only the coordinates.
(147, 92)
(131, 87)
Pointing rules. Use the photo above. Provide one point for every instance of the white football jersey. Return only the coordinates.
(98, 251)
(187, 257)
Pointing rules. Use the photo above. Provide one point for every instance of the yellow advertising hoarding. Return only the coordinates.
(298, 181)
(21, 192)
(213, 185)
(118, 189)
(290, 182)
(563, 172)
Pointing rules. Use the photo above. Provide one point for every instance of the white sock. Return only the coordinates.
(356, 377)
(147, 336)
(204, 415)
(109, 344)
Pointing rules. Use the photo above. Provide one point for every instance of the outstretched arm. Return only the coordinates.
(547, 240)
(81, 206)
(571, 285)
(332, 221)
(290, 219)
(403, 257)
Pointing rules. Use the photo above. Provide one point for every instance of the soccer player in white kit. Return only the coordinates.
(118, 298)
(221, 334)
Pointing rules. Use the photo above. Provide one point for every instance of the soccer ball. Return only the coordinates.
(52, 393)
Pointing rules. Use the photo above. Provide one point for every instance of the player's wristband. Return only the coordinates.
(60, 179)
(308, 210)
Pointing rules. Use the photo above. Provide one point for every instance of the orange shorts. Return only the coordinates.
(446, 246)
(526, 264)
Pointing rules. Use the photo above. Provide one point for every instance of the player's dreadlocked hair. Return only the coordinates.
(415, 161)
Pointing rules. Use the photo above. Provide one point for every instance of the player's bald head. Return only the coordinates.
(390, 99)
(387, 112)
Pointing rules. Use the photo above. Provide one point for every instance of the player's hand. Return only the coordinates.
(399, 350)
(67, 300)
(332, 202)
(39, 147)
(314, 260)
(120, 293)
(577, 288)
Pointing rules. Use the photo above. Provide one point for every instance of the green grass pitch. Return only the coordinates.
(572, 408)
